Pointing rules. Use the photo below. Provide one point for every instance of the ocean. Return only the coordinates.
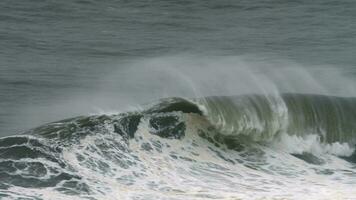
(227, 99)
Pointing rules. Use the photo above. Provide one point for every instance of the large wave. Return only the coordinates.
(214, 147)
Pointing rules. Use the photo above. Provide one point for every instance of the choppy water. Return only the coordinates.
(277, 123)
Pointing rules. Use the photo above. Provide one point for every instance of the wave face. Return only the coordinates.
(290, 146)
(262, 117)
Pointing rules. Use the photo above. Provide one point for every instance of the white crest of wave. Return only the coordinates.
(310, 143)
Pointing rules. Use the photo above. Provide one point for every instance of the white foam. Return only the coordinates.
(311, 143)
(267, 172)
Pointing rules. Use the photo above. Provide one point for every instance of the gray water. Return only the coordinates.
(265, 110)
(54, 54)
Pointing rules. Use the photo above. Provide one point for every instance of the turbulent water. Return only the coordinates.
(177, 99)
(290, 146)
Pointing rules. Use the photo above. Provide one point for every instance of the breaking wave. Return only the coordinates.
(220, 147)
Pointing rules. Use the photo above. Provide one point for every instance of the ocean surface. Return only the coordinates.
(227, 99)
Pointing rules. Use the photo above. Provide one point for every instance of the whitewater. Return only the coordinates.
(290, 146)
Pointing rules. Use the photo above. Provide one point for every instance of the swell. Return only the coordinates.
(235, 121)
(257, 117)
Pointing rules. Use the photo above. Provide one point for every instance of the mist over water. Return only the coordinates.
(146, 80)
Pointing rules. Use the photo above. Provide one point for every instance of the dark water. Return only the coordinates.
(52, 50)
